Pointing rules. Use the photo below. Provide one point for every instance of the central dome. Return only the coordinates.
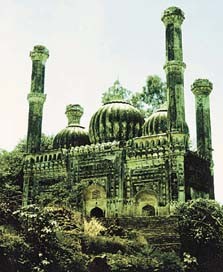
(115, 120)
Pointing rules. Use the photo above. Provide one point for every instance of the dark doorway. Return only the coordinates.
(97, 212)
(148, 210)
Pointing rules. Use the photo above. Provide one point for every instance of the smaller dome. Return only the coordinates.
(157, 122)
(73, 134)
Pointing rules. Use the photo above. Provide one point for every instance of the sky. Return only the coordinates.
(92, 43)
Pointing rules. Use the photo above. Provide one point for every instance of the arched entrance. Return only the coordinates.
(94, 197)
(146, 203)
(97, 212)
(148, 210)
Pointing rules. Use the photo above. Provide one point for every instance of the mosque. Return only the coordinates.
(123, 166)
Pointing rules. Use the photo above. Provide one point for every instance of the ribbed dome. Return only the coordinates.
(73, 134)
(115, 120)
(156, 123)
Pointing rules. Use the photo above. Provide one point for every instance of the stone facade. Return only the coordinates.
(126, 167)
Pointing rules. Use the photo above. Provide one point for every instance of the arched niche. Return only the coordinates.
(96, 212)
(95, 198)
(146, 203)
(148, 210)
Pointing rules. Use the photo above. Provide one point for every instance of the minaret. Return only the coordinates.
(173, 18)
(36, 98)
(202, 88)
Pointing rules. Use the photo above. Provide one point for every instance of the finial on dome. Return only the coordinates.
(117, 92)
(74, 113)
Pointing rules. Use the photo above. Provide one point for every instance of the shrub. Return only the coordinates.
(115, 230)
(48, 251)
(201, 231)
(168, 262)
(99, 245)
(93, 227)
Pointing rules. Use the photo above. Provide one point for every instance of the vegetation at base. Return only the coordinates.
(40, 240)
(147, 100)
(201, 231)
(57, 238)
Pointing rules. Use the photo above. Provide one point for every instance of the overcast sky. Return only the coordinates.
(94, 42)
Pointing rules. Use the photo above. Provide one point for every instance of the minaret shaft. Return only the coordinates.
(174, 49)
(174, 68)
(36, 98)
(202, 89)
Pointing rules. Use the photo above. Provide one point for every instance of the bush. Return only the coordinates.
(93, 227)
(131, 263)
(201, 231)
(99, 245)
(168, 262)
(14, 251)
(48, 251)
(115, 230)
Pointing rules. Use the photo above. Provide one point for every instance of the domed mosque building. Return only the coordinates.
(124, 165)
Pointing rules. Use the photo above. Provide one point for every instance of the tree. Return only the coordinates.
(116, 92)
(149, 99)
(10, 181)
(11, 173)
(46, 144)
(201, 231)
(152, 96)
(37, 242)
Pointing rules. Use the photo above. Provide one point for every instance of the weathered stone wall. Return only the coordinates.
(198, 177)
(144, 176)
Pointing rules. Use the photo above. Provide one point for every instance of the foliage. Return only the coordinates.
(11, 174)
(46, 144)
(53, 239)
(10, 179)
(93, 227)
(116, 92)
(57, 239)
(190, 263)
(159, 262)
(6, 213)
(98, 245)
(152, 95)
(201, 230)
(99, 264)
(58, 193)
(168, 262)
(47, 250)
(115, 230)
(14, 251)
(131, 263)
